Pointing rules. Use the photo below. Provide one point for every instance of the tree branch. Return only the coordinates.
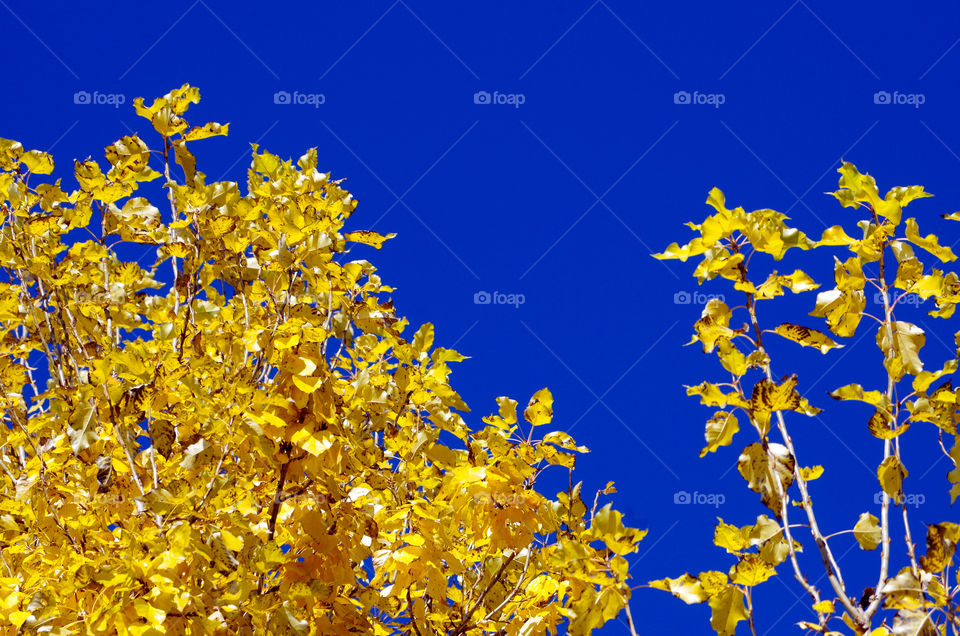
(496, 579)
(829, 562)
(275, 509)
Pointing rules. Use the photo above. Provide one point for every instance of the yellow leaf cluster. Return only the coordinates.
(259, 444)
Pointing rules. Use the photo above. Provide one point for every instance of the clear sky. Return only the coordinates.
(538, 152)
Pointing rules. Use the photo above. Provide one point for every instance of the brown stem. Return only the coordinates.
(213, 479)
(516, 588)
(275, 509)
(413, 619)
(463, 626)
(277, 500)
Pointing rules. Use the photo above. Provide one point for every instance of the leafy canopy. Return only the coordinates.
(921, 598)
(256, 445)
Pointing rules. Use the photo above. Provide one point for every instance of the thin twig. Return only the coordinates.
(829, 562)
(633, 628)
(275, 508)
(885, 501)
(462, 627)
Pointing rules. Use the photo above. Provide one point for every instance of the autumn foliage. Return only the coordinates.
(239, 437)
(885, 259)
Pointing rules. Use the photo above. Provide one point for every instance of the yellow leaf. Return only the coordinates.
(731, 358)
(729, 537)
(119, 465)
(879, 425)
(930, 242)
(298, 365)
(607, 525)
(728, 610)
(367, 237)
(925, 378)
(207, 130)
(835, 236)
(153, 615)
(770, 396)
(713, 582)
(696, 247)
(720, 431)
(311, 443)
(751, 570)
(914, 621)
(806, 337)
(186, 160)
(38, 162)
(856, 392)
(891, 473)
(18, 618)
(564, 441)
(798, 282)
(686, 588)
(713, 324)
(307, 383)
(413, 539)
(763, 468)
(901, 347)
(856, 188)
(423, 339)
(231, 540)
(809, 474)
(82, 428)
(942, 539)
(867, 532)
(540, 409)
(508, 409)
(842, 309)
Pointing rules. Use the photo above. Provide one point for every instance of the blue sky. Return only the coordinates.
(540, 152)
